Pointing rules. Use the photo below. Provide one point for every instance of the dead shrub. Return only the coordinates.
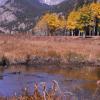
(74, 57)
(53, 54)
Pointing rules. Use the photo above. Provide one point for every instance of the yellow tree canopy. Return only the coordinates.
(95, 7)
(72, 19)
(52, 20)
(41, 25)
(82, 17)
(86, 16)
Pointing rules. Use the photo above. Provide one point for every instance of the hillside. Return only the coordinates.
(20, 16)
(68, 5)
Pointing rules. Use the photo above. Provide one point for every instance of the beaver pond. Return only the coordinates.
(81, 82)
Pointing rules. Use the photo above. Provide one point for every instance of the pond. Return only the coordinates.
(81, 82)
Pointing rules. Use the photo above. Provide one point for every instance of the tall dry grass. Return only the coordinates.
(18, 47)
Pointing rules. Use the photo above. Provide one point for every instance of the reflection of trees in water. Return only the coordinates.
(1, 71)
(1, 77)
(98, 73)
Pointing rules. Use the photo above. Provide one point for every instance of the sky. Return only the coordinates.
(51, 2)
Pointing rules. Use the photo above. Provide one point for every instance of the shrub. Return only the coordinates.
(53, 54)
(28, 59)
(74, 57)
(4, 61)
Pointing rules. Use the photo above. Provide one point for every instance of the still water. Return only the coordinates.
(81, 82)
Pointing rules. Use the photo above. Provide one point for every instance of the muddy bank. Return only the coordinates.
(57, 61)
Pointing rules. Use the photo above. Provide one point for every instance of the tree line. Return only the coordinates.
(82, 21)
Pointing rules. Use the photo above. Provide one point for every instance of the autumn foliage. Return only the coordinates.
(82, 19)
(51, 22)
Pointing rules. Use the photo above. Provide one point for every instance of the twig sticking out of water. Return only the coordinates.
(45, 94)
(36, 93)
(96, 94)
(55, 86)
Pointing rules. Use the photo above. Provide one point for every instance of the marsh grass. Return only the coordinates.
(19, 46)
(52, 53)
(55, 56)
(98, 56)
(74, 57)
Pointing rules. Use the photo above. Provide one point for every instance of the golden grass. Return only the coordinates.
(18, 47)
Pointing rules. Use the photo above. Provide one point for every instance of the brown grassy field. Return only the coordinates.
(19, 47)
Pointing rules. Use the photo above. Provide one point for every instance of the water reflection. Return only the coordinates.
(82, 81)
(98, 73)
(1, 77)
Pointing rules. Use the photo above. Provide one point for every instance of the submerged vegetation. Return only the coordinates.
(54, 93)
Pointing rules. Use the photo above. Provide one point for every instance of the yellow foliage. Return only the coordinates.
(79, 19)
(86, 16)
(95, 7)
(72, 21)
(52, 21)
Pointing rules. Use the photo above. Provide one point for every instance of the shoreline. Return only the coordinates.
(41, 61)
